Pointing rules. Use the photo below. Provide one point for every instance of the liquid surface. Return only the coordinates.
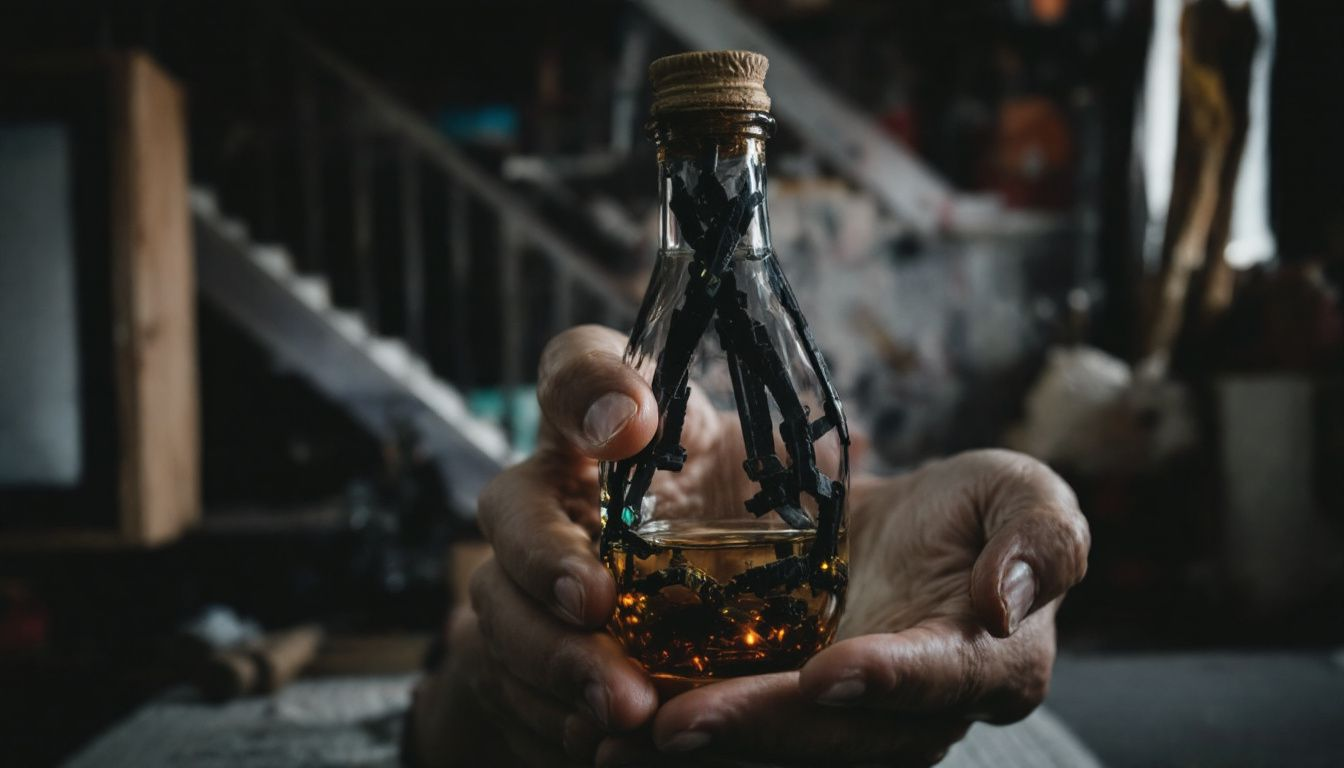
(725, 599)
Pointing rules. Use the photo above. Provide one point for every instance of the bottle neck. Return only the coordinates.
(730, 147)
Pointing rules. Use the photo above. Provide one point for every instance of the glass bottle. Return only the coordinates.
(726, 535)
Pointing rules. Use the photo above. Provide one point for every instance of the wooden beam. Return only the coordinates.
(153, 304)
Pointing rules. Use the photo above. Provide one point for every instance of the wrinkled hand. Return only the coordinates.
(533, 654)
(956, 572)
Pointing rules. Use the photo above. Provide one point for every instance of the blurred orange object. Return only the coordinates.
(1049, 11)
(1031, 165)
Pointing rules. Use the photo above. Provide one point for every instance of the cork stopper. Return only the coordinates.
(709, 80)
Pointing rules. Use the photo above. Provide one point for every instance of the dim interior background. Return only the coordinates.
(274, 278)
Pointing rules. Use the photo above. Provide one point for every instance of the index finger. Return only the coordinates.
(584, 667)
(543, 546)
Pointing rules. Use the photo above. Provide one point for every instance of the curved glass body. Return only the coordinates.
(726, 536)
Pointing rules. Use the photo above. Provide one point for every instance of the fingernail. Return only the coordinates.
(596, 696)
(569, 598)
(607, 416)
(1019, 592)
(842, 692)
(685, 741)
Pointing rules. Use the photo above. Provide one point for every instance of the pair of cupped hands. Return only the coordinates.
(956, 571)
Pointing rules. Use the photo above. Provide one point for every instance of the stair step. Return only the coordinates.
(312, 290)
(392, 354)
(272, 258)
(380, 381)
(204, 202)
(349, 324)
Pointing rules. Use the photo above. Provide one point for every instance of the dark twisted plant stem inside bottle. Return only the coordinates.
(760, 587)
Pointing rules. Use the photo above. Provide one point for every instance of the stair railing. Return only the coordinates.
(541, 282)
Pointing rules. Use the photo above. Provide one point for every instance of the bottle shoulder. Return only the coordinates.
(742, 253)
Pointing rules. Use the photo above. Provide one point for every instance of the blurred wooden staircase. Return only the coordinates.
(387, 380)
(386, 387)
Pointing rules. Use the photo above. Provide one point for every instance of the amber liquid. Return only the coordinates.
(701, 607)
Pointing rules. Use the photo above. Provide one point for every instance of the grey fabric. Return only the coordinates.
(336, 722)
(1040, 741)
(1207, 708)
(357, 722)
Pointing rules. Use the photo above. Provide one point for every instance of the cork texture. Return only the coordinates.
(709, 80)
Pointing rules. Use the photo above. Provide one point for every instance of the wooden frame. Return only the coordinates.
(139, 323)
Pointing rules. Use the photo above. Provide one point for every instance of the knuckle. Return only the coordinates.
(1036, 680)
(1022, 692)
(555, 350)
(1062, 507)
(534, 569)
(1053, 525)
(479, 590)
(1078, 538)
(509, 695)
(1028, 696)
(580, 739)
(492, 501)
(581, 373)
(566, 662)
(1015, 707)
(998, 462)
(572, 352)
(1068, 539)
(484, 683)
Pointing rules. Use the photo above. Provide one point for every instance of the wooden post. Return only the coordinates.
(154, 310)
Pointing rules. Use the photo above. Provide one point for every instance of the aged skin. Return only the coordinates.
(957, 570)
